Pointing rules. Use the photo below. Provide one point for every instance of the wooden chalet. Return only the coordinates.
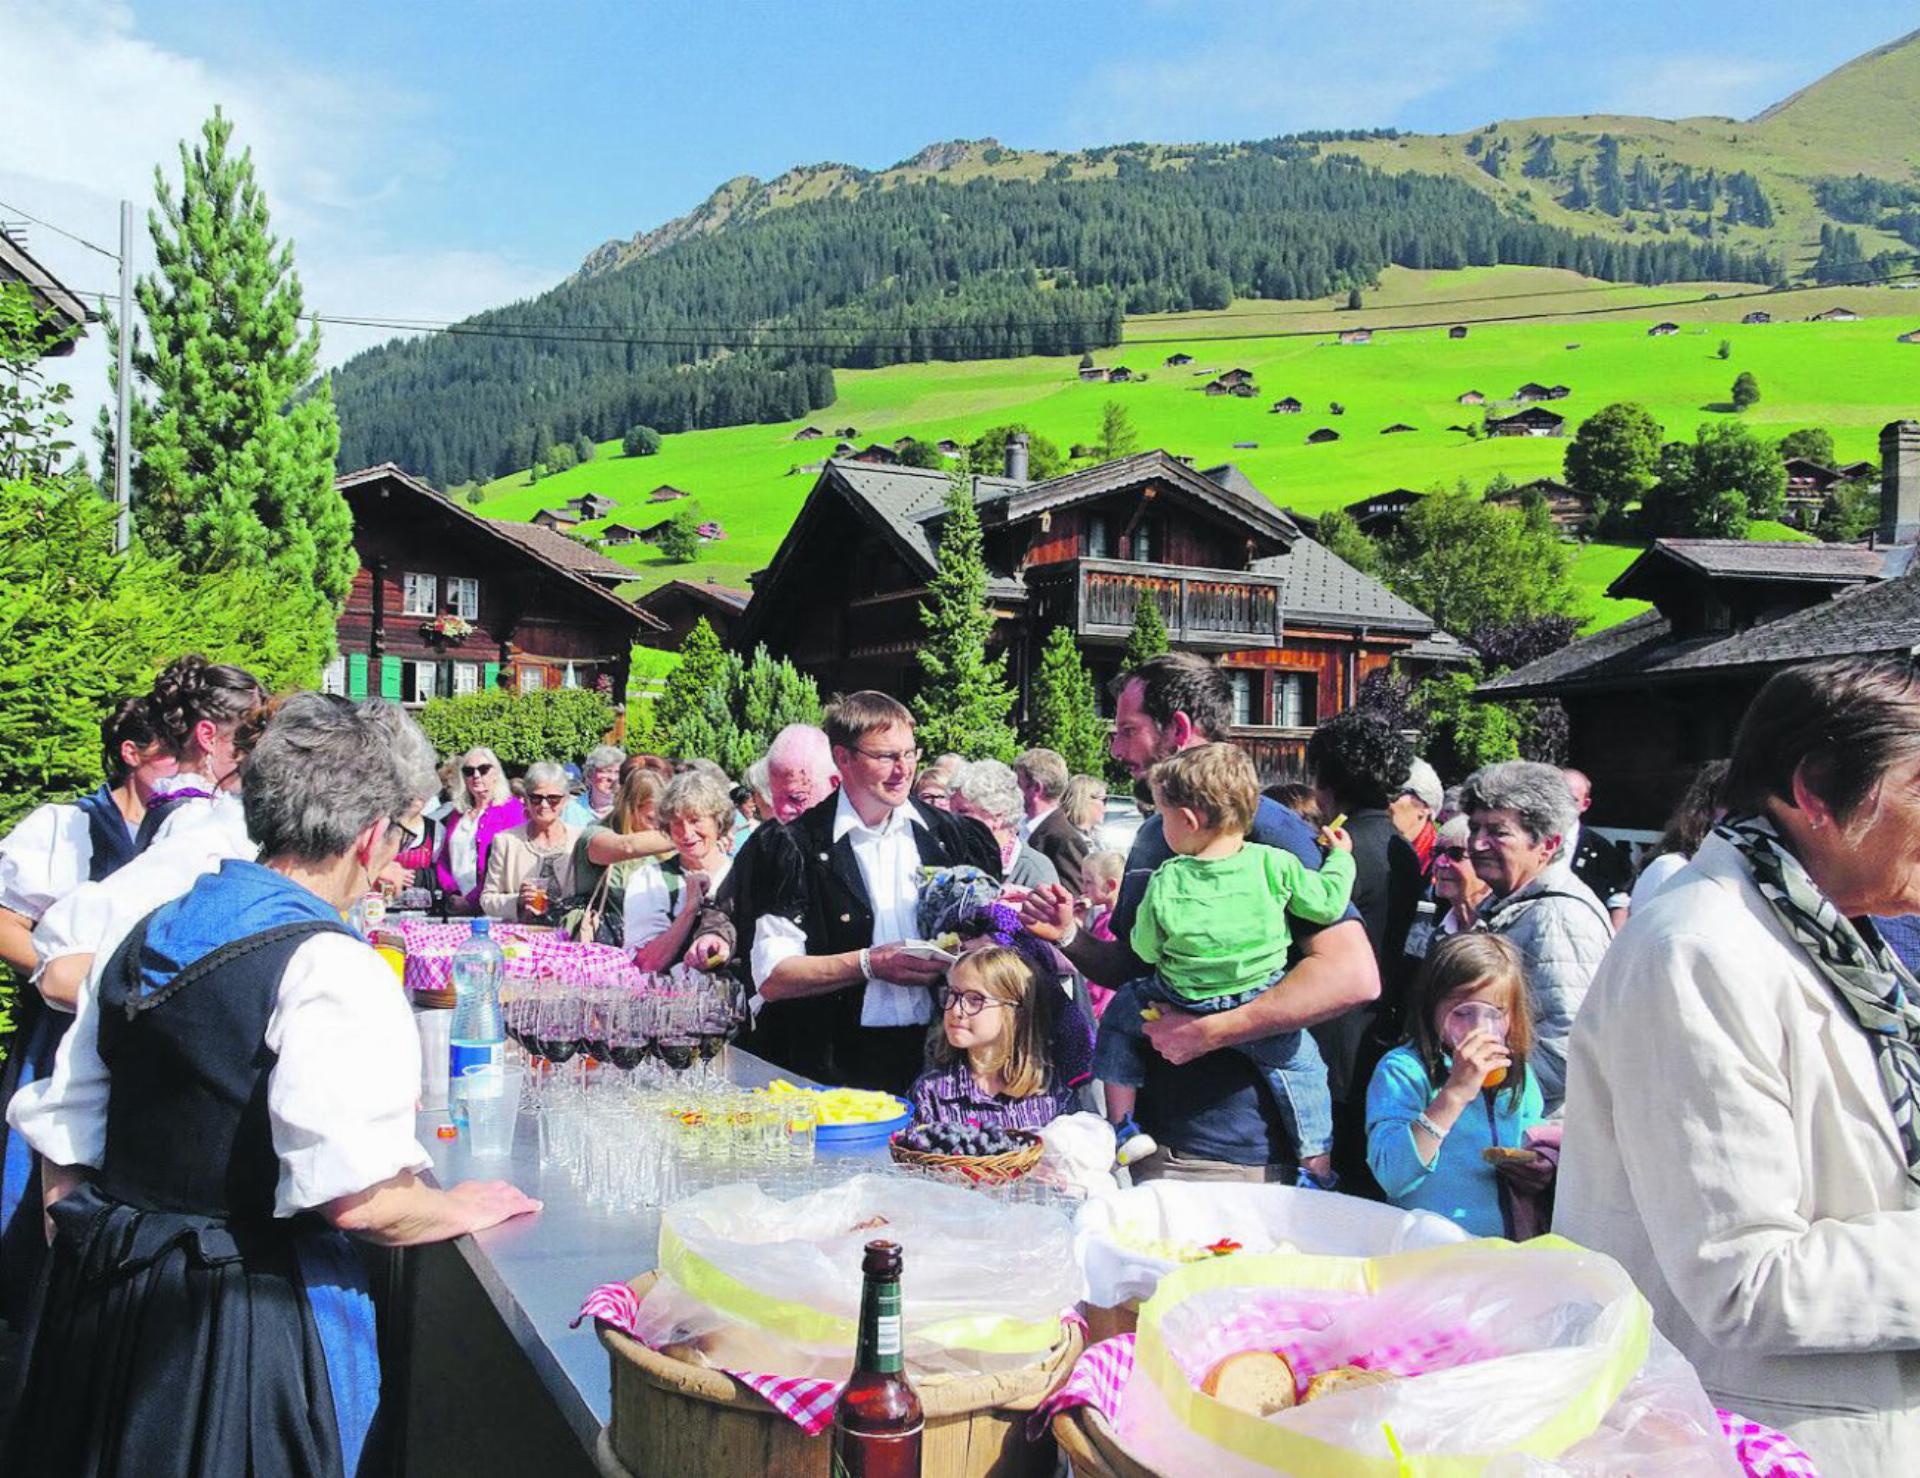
(844, 449)
(1558, 392)
(1092, 374)
(617, 534)
(1233, 577)
(537, 615)
(1570, 509)
(1531, 392)
(1381, 514)
(1652, 699)
(1808, 483)
(1835, 315)
(1243, 392)
(679, 604)
(876, 455)
(63, 317)
(902, 443)
(948, 447)
(1217, 387)
(1356, 336)
(849, 432)
(1458, 331)
(1855, 471)
(1757, 317)
(1174, 361)
(557, 518)
(592, 506)
(1533, 421)
(1237, 377)
(1912, 336)
(667, 493)
(1470, 397)
(1663, 330)
(1396, 429)
(808, 433)
(1287, 405)
(1321, 435)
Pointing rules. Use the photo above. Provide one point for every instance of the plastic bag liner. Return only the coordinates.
(1112, 1232)
(756, 1283)
(1529, 1359)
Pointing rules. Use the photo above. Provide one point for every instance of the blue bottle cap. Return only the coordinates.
(483, 925)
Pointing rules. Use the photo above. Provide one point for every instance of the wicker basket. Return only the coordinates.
(979, 1169)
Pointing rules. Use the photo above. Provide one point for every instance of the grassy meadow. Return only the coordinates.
(1850, 377)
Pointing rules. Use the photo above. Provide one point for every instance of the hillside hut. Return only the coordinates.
(1757, 317)
(1243, 391)
(1120, 374)
(1217, 387)
(1835, 315)
(877, 455)
(1570, 510)
(1531, 392)
(618, 533)
(667, 493)
(1471, 397)
(808, 433)
(1092, 374)
(1458, 331)
(1237, 377)
(1558, 392)
(1533, 421)
(1910, 337)
(1287, 405)
(849, 432)
(1356, 336)
(948, 447)
(1395, 429)
(1381, 514)
(1663, 330)
(844, 449)
(1246, 446)
(901, 443)
(1174, 361)
(1325, 433)
(556, 518)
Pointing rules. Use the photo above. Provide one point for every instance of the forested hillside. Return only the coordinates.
(745, 323)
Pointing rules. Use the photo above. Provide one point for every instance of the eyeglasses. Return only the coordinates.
(546, 800)
(970, 1002)
(1452, 854)
(891, 757)
(471, 770)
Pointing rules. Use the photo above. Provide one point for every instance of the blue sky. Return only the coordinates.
(430, 158)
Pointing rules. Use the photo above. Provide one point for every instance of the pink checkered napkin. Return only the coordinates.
(1764, 1453)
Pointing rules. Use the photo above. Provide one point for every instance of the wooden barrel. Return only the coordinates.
(1089, 1445)
(672, 1419)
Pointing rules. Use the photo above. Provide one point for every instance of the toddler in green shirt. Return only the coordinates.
(1213, 924)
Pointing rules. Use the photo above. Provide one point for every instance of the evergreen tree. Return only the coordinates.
(1615, 454)
(684, 702)
(1117, 436)
(773, 693)
(233, 436)
(1541, 163)
(1353, 300)
(583, 448)
(640, 441)
(1066, 710)
(1746, 391)
(965, 702)
(680, 539)
(1148, 638)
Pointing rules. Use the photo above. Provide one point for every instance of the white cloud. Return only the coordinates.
(1258, 71)
(90, 106)
(1709, 84)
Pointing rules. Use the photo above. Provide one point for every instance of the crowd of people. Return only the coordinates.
(1702, 1062)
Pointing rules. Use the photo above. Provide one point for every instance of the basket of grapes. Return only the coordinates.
(971, 1152)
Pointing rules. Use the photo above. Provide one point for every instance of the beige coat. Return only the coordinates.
(513, 861)
(1727, 1140)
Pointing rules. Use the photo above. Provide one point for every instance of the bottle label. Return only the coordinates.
(491, 1056)
(886, 1335)
(881, 1338)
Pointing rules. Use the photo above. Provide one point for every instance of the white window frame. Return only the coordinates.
(412, 586)
(1290, 699)
(463, 597)
(1242, 683)
(1099, 537)
(333, 677)
(466, 678)
(537, 674)
(411, 674)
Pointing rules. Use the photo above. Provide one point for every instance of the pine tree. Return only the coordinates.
(685, 702)
(1117, 436)
(233, 435)
(965, 702)
(1746, 391)
(1066, 710)
(1149, 637)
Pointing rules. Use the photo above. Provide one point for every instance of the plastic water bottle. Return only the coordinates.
(479, 1037)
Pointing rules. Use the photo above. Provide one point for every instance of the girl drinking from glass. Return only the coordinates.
(991, 1061)
(1458, 1086)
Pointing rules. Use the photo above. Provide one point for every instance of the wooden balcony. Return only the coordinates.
(1201, 607)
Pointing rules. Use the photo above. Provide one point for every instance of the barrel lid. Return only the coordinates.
(434, 1000)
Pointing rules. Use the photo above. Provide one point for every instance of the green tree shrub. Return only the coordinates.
(1148, 639)
(1066, 710)
(559, 724)
(640, 441)
(965, 703)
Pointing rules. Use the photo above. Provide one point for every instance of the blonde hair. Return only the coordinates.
(1107, 866)
(502, 789)
(1215, 781)
(1020, 1056)
(1085, 801)
(1463, 962)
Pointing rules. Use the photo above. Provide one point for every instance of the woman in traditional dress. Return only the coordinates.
(232, 1103)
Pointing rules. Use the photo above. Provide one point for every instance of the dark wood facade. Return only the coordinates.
(679, 605)
(427, 563)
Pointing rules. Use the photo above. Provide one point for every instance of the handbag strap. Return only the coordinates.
(590, 915)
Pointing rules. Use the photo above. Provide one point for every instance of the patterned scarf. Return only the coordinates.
(1877, 990)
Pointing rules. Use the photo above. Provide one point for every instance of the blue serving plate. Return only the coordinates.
(863, 1136)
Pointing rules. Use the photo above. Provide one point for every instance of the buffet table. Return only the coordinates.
(492, 1379)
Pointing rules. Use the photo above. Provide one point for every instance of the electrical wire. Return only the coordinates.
(111, 256)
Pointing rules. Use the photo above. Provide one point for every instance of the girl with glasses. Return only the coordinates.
(991, 1061)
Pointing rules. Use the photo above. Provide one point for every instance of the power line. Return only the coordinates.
(111, 256)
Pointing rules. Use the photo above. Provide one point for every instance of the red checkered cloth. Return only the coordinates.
(1103, 1371)
(807, 1403)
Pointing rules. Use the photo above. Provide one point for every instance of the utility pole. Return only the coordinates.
(122, 432)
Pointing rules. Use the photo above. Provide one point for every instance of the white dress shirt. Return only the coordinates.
(1027, 826)
(341, 1096)
(652, 899)
(44, 858)
(889, 862)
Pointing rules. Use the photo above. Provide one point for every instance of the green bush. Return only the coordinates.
(559, 724)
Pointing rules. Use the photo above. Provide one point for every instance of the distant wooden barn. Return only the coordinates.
(1757, 317)
(1237, 377)
(1458, 331)
(1570, 509)
(1530, 392)
(877, 455)
(1356, 336)
(1244, 391)
(1324, 434)
(667, 493)
(556, 518)
(1471, 397)
(1835, 315)
(1381, 514)
(1395, 429)
(1533, 421)
(1663, 330)
(1174, 361)
(1287, 406)
(1912, 336)
(808, 433)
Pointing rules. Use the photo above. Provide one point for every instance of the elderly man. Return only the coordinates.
(1206, 1107)
(799, 771)
(1414, 810)
(1603, 865)
(833, 899)
(1043, 779)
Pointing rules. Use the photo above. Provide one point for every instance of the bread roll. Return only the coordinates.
(1255, 1381)
(1344, 1378)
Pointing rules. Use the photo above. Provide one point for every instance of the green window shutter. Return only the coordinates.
(357, 675)
(492, 675)
(390, 678)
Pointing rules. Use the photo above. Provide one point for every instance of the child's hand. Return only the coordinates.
(1479, 1055)
(1335, 839)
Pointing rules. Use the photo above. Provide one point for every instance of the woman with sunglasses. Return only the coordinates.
(1457, 890)
(992, 1062)
(530, 872)
(483, 808)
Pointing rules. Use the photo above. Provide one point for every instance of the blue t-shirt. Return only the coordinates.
(1217, 1107)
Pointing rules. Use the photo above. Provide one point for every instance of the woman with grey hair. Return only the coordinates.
(601, 770)
(531, 872)
(665, 900)
(235, 1100)
(988, 792)
(1518, 813)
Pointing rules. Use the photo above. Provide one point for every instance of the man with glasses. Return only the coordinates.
(836, 996)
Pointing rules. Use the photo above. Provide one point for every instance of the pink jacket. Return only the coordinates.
(499, 817)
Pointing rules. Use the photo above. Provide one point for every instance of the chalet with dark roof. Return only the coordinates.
(1321, 435)
(1287, 405)
(1912, 336)
(1458, 331)
(1381, 514)
(667, 493)
(592, 506)
(1174, 361)
(1558, 392)
(538, 607)
(1663, 330)
(557, 518)
(1757, 316)
(1570, 509)
(1232, 575)
(1530, 392)
(1396, 429)
(1237, 377)
(1652, 699)
(617, 534)
(679, 604)
(808, 433)
(948, 447)
(1470, 397)
(1533, 421)
(876, 455)
(1835, 315)
(63, 317)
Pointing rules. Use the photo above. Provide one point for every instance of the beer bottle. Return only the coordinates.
(877, 1423)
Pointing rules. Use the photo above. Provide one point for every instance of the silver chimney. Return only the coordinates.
(1017, 457)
